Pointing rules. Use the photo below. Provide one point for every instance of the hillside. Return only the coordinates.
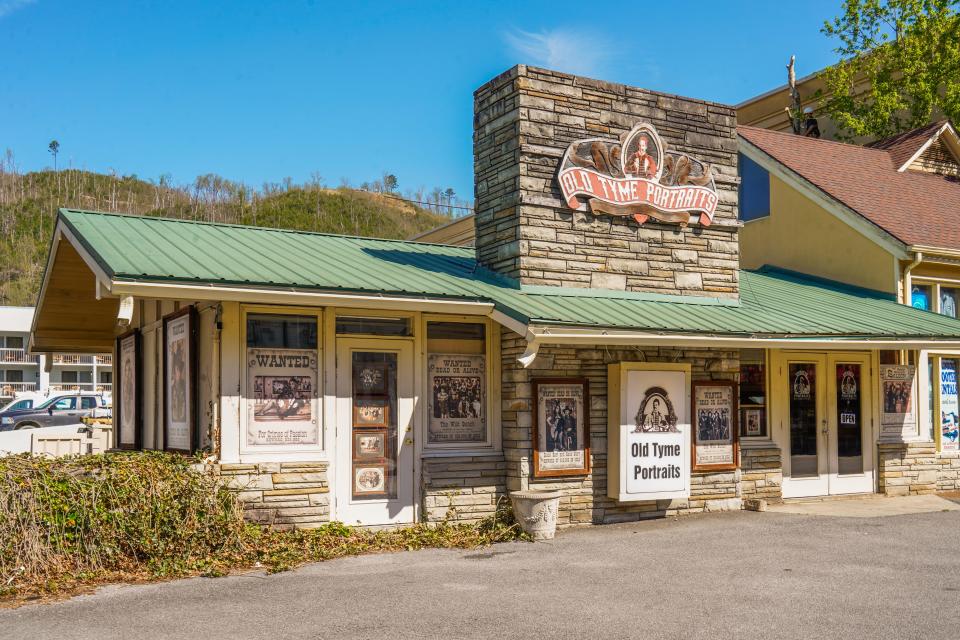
(29, 202)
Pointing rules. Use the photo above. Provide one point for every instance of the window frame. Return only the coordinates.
(766, 439)
(295, 452)
(492, 445)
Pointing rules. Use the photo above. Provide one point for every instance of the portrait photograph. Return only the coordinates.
(561, 433)
(715, 413)
(179, 367)
(370, 412)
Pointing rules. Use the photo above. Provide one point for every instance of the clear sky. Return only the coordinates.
(260, 91)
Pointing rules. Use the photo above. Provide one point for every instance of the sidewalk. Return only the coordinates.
(872, 506)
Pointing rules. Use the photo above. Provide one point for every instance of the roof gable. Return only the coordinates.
(916, 208)
(933, 148)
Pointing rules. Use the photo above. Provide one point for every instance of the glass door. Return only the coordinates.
(849, 434)
(825, 423)
(805, 463)
(374, 476)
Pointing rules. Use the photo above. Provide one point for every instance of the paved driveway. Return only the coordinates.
(730, 575)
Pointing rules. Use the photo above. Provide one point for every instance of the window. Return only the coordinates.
(69, 377)
(457, 370)
(282, 402)
(948, 301)
(282, 332)
(106, 377)
(753, 394)
(920, 296)
(754, 190)
(65, 404)
(87, 402)
(14, 375)
(14, 342)
(360, 325)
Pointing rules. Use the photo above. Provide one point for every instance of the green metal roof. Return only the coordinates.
(772, 302)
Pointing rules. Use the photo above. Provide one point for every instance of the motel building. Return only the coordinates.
(600, 339)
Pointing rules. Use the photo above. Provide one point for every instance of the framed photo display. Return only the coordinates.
(127, 396)
(371, 412)
(457, 401)
(715, 429)
(369, 480)
(180, 381)
(561, 429)
(369, 445)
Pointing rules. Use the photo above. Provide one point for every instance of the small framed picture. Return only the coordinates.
(370, 412)
(369, 480)
(370, 379)
(369, 445)
(754, 423)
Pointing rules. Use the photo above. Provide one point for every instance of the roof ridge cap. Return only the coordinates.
(250, 227)
(817, 140)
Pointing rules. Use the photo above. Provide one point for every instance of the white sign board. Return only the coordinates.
(654, 451)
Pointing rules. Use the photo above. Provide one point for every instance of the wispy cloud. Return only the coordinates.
(9, 6)
(563, 49)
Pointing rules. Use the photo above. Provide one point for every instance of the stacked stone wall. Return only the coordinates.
(462, 488)
(761, 474)
(584, 498)
(915, 468)
(525, 119)
(282, 495)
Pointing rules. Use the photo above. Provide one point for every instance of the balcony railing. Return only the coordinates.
(17, 356)
(75, 358)
(9, 389)
(101, 387)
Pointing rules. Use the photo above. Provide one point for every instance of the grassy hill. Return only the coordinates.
(29, 203)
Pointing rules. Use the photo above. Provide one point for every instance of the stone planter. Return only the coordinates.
(536, 511)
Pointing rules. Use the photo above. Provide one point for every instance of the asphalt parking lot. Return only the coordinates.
(727, 575)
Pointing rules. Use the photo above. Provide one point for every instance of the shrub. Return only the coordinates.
(142, 515)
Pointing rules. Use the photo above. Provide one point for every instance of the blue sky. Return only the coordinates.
(259, 91)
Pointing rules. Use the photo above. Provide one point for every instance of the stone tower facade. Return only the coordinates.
(525, 119)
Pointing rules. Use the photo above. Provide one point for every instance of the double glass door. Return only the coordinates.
(826, 423)
(374, 464)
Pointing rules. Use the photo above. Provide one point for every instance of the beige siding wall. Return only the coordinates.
(802, 236)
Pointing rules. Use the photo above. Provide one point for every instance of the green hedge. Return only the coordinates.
(66, 522)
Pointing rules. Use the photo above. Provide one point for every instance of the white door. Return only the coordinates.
(375, 407)
(850, 423)
(826, 430)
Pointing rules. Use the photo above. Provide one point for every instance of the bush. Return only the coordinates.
(66, 522)
(78, 517)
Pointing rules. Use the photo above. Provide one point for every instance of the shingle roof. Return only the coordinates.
(916, 208)
(904, 146)
(772, 303)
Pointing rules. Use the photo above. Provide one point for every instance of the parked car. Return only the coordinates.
(59, 409)
(26, 400)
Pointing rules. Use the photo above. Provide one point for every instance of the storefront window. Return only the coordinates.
(753, 394)
(282, 397)
(920, 296)
(457, 370)
(949, 405)
(948, 302)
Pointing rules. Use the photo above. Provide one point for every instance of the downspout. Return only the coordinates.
(908, 293)
(907, 285)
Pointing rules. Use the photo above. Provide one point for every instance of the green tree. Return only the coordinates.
(899, 65)
(54, 149)
(390, 182)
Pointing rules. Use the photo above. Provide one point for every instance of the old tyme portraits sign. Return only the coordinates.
(652, 443)
(637, 176)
